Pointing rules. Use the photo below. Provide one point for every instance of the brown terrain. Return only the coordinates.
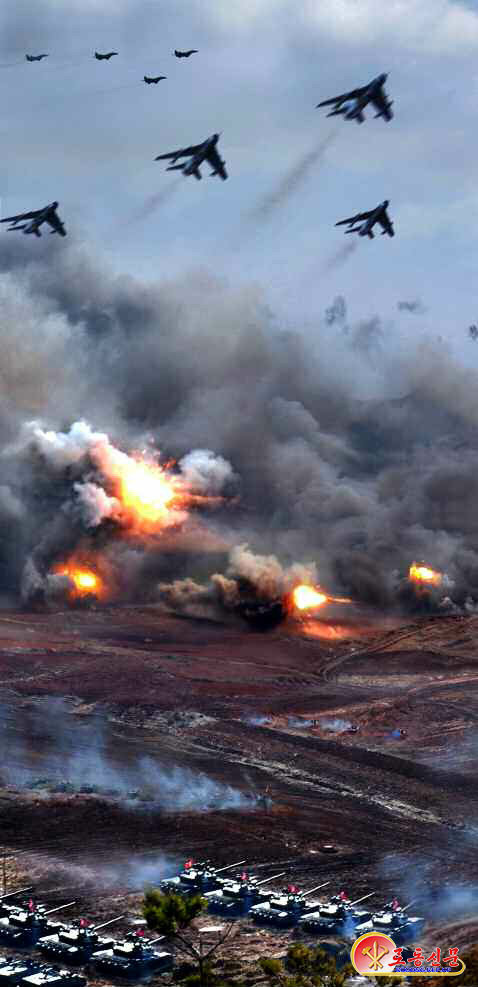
(251, 711)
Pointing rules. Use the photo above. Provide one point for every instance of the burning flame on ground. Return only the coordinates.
(85, 582)
(422, 574)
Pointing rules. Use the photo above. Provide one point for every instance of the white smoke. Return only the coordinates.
(95, 504)
(205, 473)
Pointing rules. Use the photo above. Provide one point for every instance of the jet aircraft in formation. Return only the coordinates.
(46, 215)
(197, 154)
(185, 54)
(367, 221)
(352, 104)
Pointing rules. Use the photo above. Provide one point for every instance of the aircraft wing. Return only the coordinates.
(217, 163)
(382, 104)
(385, 223)
(355, 219)
(183, 152)
(25, 215)
(56, 224)
(353, 94)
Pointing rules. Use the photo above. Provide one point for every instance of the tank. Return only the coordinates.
(285, 909)
(395, 922)
(52, 976)
(196, 878)
(236, 898)
(76, 943)
(133, 959)
(338, 916)
(7, 905)
(23, 928)
(13, 970)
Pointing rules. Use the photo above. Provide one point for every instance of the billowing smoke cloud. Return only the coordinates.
(353, 454)
(253, 586)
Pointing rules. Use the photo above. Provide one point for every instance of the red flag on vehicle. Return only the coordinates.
(395, 904)
(343, 896)
(244, 876)
(188, 864)
(293, 888)
(31, 906)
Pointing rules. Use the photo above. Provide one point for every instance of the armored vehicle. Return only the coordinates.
(196, 878)
(237, 897)
(75, 944)
(394, 921)
(23, 928)
(6, 903)
(285, 909)
(133, 958)
(52, 976)
(13, 970)
(338, 916)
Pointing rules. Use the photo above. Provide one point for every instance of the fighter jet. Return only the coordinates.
(108, 55)
(46, 215)
(35, 58)
(367, 221)
(185, 54)
(149, 79)
(352, 104)
(198, 153)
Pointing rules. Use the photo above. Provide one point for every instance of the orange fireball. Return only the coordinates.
(422, 574)
(85, 582)
(147, 491)
(308, 598)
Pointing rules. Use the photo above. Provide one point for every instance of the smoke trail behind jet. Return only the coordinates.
(292, 180)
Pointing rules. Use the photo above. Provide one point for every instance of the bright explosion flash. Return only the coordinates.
(422, 574)
(84, 581)
(307, 598)
(147, 491)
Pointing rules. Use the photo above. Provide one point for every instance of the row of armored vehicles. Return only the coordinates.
(246, 895)
(31, 926)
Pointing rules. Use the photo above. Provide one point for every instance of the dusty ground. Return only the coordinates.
(192, 694)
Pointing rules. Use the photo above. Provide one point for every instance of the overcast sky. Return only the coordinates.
(87, 132)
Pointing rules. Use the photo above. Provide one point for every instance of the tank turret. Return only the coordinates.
(196, 878)
(75, 944)
(237, 897)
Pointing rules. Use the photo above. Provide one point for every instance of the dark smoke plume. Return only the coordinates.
(325, 449)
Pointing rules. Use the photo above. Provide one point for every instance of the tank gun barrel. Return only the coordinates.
(59, 908)
(104, 924)
(363, 898)
(151, 942)
(11, 893)
(229, 866)
(317, 888)
(266, 880)
(410, 903)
